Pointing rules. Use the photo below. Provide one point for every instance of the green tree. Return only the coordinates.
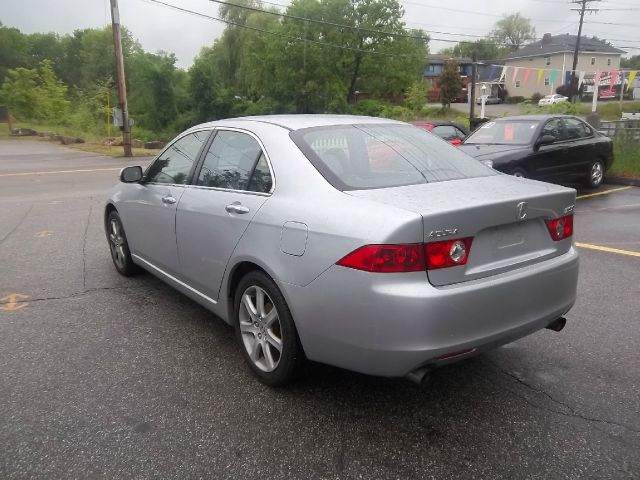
(19, 92)
(35, 94)
(450, 83)
(416, 96)
(484, 49)
(631, 62)
(514, 30)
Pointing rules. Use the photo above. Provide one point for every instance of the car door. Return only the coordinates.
(149, 212)
(582, 149)
(229, 187)
(551, 160)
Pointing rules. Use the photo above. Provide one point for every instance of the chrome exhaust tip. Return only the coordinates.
(419, 376)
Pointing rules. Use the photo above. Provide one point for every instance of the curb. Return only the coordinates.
(632, 181)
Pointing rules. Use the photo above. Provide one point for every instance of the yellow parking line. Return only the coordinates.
(589, 246)
(23, 174)
(602, 193)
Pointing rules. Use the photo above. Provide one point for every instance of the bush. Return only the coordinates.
(513, 100)
(398, 113)
(416, 96)
(535, 98)
(371, 108)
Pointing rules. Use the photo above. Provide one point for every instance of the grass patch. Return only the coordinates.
(626, 158)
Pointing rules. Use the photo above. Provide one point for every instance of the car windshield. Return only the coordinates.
(548, 96)
(516, 132)
(355, 157)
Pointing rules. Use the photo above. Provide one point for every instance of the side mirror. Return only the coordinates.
(546, 140)
(131, 174)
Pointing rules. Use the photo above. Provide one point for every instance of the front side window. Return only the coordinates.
(174, 164)
(353, 157)
(516, 132)
(554, 128)
(235, 161)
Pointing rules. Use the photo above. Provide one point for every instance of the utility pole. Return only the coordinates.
(122, 86)
(472, 96)
(583, 8)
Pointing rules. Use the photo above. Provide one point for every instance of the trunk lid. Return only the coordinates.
(485, 208)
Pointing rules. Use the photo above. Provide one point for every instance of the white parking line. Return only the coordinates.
(54, 172)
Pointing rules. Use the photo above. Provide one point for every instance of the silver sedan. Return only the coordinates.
(359, 242)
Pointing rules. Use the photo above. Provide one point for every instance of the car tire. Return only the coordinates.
(596, 174)
(266, 332)
(118, 246)
(519, 172)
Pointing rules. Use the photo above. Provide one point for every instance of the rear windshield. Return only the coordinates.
(516, 132)
(356, 157)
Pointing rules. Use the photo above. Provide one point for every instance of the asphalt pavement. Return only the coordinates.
(107, 377)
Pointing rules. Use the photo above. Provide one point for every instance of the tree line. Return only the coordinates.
(263, 63)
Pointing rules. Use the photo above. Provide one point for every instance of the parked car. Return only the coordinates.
(544, 147)
(452, 132)
(606, 95)
(489, 100)
(552, 99)
(284, 227)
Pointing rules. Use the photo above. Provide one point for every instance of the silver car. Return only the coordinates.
(359, 242)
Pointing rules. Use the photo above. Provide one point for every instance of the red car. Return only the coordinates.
(452, 132)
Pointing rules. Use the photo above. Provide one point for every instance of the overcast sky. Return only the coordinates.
(160, 28)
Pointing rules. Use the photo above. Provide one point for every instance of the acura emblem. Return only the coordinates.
(521, 210)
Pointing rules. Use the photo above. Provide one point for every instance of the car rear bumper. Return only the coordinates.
(391, 324)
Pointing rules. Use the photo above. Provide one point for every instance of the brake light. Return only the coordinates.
(560, 228)
(449, 253)
(386, 258)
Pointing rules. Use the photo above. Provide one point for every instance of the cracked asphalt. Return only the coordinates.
(107, 377)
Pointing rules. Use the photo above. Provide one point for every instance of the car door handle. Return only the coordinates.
(236, 208)
(169, 200)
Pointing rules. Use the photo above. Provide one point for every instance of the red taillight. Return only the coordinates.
(386, 258)
(560, 228)
(449, 253)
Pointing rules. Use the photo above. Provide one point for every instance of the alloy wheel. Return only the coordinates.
(596, 174)
(116, 242)
(260, 328)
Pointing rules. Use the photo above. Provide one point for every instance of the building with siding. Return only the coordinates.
(556, 52)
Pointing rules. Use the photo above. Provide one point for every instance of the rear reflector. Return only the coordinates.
(386, 258)
(449, 253)
(560, 228)
(455, 354)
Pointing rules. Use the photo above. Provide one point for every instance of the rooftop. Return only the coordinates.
(563, 43)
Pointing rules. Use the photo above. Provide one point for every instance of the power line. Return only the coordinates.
(351, 27)
(319, 22)
(268, 32)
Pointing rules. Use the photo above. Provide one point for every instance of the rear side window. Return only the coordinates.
(448, 132)
(576, 129)
(235, 161)
(354, 157)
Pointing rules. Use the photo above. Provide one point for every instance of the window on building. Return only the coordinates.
(547, 60)
(517, 83)
(546, 81)
(608, 62)
(593, 60)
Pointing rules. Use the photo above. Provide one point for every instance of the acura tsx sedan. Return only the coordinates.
(364, 243)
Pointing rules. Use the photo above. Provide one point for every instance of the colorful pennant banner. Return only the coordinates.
(613, 75)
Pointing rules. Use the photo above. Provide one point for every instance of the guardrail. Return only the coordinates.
(629, 129)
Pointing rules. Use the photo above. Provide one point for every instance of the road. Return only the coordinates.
(107, 377)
